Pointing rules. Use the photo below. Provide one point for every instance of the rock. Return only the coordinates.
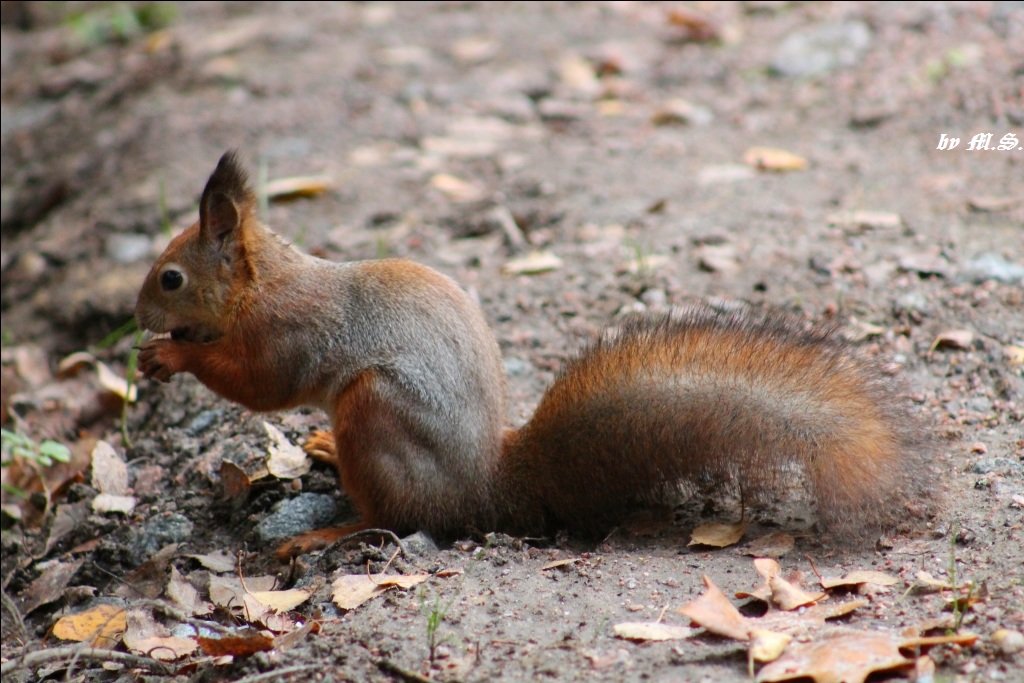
(203, 421)
(820, 49)
(1010, 642)
(293, 516)
(420, 543)
(992, 266)
(1000, 465)
(156, 533)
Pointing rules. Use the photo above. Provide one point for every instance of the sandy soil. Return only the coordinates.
(464, 136)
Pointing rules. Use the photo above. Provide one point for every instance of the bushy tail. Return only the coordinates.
(699, 397)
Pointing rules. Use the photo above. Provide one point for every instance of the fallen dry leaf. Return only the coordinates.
(784, 594)
(246, 642)
(558, 564)
(228, 591)
(115, 384)
(718, 534)
(578, 73)
(282, 601)
(235, 482)
(533, 263)
(48, 586)
(808, 619)
(635, 630)
(859, 577)
(352, 590)
(73, 363)
(717, 258)
(145, 636)
(848, 657)
(456, 189)
(713, 611)
(285, 460)
(953, 339)
(185, 595)
(926, 583)
(860, 221)
(218, 561)
(774, 159)
(767, 646)
(693, 25)
(110, 478)
(773, 545)
(101, 626)
(297, 186)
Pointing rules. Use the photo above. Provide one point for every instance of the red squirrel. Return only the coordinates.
(410, 374)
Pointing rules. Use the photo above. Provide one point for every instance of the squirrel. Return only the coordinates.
(404, 364)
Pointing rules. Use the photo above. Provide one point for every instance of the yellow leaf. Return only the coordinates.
(353, 590)
(101, 626)
(282, 601)
(767, 646)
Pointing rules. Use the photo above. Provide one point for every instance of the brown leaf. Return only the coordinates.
(297, 186)
(102, 626)
(643, 631)
(245, 643)
(713, 611)
(857, 222)
(849, 657)
(185, 595)
(953, 339)
(1014, 355)
(718, 534)
(560, 564)
(228, 591)
(145, 636)
(149, 578)
(115, 383)
(693, 25)
(860, 577)
(534, 263)
(774, 159)
(219, 561)
(282, 601)
(773, 545)
(285, 460)
(48, 586)
(351, 591)
(235, 482)
(456, 189)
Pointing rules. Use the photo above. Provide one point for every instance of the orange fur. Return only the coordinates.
(411, 377)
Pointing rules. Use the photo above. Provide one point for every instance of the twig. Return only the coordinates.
(278, 673)
(33, 659)
(387, 666)
(378, 532)
(12, 609)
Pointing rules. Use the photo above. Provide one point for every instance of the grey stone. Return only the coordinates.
(992, 266)
(294, 516)
(820, 49)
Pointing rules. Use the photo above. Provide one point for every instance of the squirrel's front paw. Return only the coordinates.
(159, 359)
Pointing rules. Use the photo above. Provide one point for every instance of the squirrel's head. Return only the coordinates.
(190, 289)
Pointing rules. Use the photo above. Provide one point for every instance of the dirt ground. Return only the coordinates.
(615, 136)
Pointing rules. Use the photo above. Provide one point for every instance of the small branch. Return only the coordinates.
(70, 652)
(12, 609)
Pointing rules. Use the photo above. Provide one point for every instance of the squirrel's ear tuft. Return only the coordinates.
(230, 178)
(226, 199)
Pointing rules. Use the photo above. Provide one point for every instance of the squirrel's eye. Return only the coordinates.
(171, 280)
